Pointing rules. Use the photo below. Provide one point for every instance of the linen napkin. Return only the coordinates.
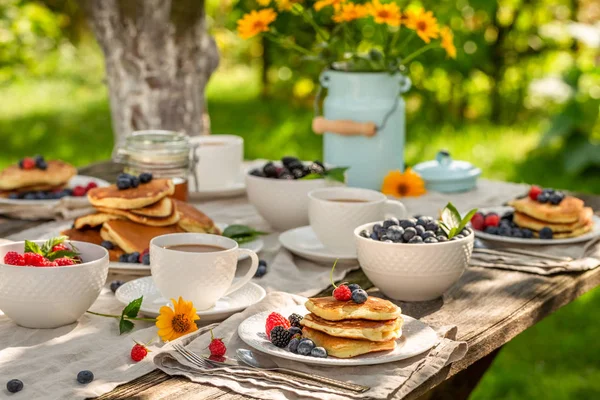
(397, 378)
(65, 208)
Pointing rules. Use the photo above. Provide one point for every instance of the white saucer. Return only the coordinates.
(239, 300)
(416, 338)
(236, 189)
(304, 243)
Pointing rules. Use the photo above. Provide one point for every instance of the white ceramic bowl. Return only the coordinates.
(49, 297)
(283, 203)
(412, 272)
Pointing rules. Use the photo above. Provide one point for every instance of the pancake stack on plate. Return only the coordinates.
(45, 176)
(568, 219)
(348, 329)
(131, 218)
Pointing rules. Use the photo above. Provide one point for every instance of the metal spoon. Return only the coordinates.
(259, 361)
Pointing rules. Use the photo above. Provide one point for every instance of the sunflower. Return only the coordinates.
(423, 22)
(255, 22)
(263, 3)
(385, 13)
(336, 4)
(448, 41)
(400, 184)
(177, 321)
(286, 5)
(350, 12)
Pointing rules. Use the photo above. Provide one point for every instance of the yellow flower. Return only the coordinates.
(424, 23)
(400, 184)
(255, 22)
(448, 41)
(385, 13)
(263, 3)
(349, 12)
(177, 321)
(319, 5)
(286, 5)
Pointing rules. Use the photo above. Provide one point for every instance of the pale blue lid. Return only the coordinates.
(444, 169)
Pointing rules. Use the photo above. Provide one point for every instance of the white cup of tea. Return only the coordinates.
(219, 160)
(334, 213)
(198, 267)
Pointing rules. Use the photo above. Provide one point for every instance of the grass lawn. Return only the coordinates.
(67, 116)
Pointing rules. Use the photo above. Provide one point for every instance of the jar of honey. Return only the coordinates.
(165, 154)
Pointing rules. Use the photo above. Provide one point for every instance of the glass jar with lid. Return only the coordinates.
(165, 154)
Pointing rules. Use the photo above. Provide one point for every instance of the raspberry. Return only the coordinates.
(60, 247)
(492, 219)
(217, 347)
(79, 191)
(280, 336)
(14, 258)
(141, 257)
(65, 261)
(295, 320)
(138, 352)
(275, 319)
(478, 221)
(342, 293)
(534, 192)
(28, 163)
(91, 185)
(50, 264)
(35, 260)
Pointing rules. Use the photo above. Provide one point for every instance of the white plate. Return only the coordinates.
(236, 189)
(304, 243)
(78, 180)
(417, 338)
(239, 300)
(595, 232)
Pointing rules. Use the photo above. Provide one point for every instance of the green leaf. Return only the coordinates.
(311, 176)
(50, 243)
(450, 217)
(465, 220)
(32, 247)
(125, 326)
(60, 254)
(132, 309)
(336, 174)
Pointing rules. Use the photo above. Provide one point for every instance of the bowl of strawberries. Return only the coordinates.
(52, 283)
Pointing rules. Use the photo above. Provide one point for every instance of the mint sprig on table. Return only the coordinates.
(46, 249)
(128, 314)
(242, 233)
(452, 223)
(335, 174)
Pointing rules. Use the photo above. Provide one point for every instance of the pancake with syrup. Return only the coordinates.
(568, 211)
(131, 236)
(92, 236)
(57, 174)
(374, 308)
(344, 347)
(133, 198)
(376, 331)
(193, 220)
(94, 220)
(141, 219)
(525, 221)
(162, 208)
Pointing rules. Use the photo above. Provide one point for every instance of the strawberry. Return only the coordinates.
(79, 191)
(534, 192)
(492, 219)
(28, 163)
(64, 261)
(14, 258)
(35, 260)
(139, 352)
(342, 293)
(478, 221)
(217, 347)
(60, 247)
(275, 319)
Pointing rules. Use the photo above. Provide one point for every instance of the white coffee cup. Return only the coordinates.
(334, 213)
(219, 160)
(202, 277)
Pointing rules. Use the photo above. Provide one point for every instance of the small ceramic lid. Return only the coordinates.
(444, 169)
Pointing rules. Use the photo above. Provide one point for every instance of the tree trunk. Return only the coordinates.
(158, 60)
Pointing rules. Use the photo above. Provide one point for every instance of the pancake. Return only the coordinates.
(568, 211)
(162, 208)
(193, 220)
(141, 219)
(376, 331)
(94, 220)
(565, 235)
(525, 221)
(131, 236)
(92, 236)
(374, 308)
(343, 347)
(58, 173)
(143, 195)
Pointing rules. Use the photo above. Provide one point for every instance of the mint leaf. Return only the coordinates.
(125, 326)
(50, 243)
(450, 217)
(336, 174)
(466, 219)
(242, 233)
(132, 309)
(311, 176)
(60, 254)
(32, 247)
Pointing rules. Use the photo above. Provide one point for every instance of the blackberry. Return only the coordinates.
(295, 320)
(145, 177)
(508, 216)
(280, 336)
(14, 385)
(288, 161)
(270, 170)
(85, 377)
(298, 172)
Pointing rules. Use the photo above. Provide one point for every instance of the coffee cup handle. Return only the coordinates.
(394, 208)
(249, 275)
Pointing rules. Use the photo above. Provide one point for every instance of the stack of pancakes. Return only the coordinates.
(567, 219)
(14, 179)
(131, 218)
(347, 329)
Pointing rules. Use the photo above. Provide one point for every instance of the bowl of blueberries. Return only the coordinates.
(279, 190)
(412, 259)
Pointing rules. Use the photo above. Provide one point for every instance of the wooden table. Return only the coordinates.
(488, 306)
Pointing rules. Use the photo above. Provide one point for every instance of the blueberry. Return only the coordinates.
(422, 221)
(260, 271)
(549, 191)
(457, 237)
(409, 233)
(107, 244)
(545, 233)
(294, 330)
(286, 176)
(135, 181)
(420, 229)
(13, 196)
(394, 233)
(506, 223)
(408, 223)
(41, 196)
(359, 296)
(504, 231)
(38, 157)
(374, 236)
(145, 177)
(416, 240)
(378, 229)
(492, 230)
(123, 184)
(390, 222)
(262, 262)
(14, 386)
(555, 199)
(270, 170)
(353, 287)
(364, 233)
(432, 225)
(133, 257)
(316, 168)
(318, 352)
(441, 238)
(85, 377)
(516, 233)
(124, 258)
(527, 233)
(41, 164)
(384, 238)
(146, 259)
(465, 232)
(543, 197)
(21, 164)
(293, 345)
(427, 234)
(114, 285)
(430, 240)
(29, 196)
(257, 172)
(305, 347)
